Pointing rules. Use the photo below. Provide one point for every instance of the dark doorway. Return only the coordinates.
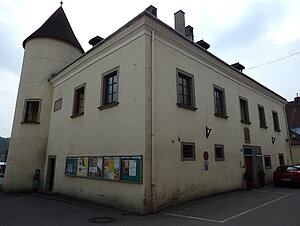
(51, 172)
(253, 162)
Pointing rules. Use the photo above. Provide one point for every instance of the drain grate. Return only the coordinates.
(102, 220)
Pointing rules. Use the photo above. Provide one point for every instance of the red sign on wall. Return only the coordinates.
(205, 155)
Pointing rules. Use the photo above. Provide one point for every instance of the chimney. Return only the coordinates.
(94, 41)
(152, 10)
(189, 32)
(203, 44)
(179, 22)
(238, 67)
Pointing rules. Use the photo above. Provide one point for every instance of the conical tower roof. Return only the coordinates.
(57, 26)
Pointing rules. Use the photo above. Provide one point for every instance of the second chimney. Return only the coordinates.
(189, 32)
(179, 22)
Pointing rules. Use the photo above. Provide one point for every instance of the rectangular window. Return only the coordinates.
(110, 88)
(244, 110)
(57, 105)
(185, 90)
(79, 100)
(268, 164)
(219, 97)
(262, 117)
(219, 152)
(188, 152)
(281, 159)
(32, 111)
(275, 121)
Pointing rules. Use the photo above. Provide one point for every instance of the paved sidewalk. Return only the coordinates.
(266, 206)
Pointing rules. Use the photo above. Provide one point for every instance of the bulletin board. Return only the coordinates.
(131, 169)
(70, 169)
(115, 168)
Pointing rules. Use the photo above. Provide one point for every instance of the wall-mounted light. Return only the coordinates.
(208, 130)
(273, 140)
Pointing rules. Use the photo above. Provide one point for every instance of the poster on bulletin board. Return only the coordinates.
(111, 168)
(70, 169)
(82, 166)
(131, 169)
(95, 167)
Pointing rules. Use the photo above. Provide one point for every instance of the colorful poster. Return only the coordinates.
(125, 167)
(116, 168)
(95, 167)
(82, 166)
(70, 167)
(112, 168)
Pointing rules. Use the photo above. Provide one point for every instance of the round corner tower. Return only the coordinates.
(48, 50)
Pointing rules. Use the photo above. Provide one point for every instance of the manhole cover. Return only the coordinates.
(101, 220)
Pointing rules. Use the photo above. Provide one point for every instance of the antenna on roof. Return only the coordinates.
(61, 3)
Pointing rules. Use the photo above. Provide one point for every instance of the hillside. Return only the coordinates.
(4, 143)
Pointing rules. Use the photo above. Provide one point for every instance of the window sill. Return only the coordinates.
(77, 115)
(188, 107)
(108, 106)
(263, 127)
(33, 123)
(277, 130)
(220, 160)
(246, 122)
(188, 159)
(221, 116)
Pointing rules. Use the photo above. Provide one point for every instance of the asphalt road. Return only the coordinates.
(266, 206)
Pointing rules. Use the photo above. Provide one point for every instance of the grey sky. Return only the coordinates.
(251, 32)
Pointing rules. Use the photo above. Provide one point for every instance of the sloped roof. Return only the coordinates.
(57, 26)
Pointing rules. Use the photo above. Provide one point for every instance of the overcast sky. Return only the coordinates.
(252, 32)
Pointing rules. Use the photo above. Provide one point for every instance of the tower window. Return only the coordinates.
(32, 111)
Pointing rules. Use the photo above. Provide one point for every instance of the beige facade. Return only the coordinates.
(147, 120)
(296, 153)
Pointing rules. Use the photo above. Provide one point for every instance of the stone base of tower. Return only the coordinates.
(23, 160)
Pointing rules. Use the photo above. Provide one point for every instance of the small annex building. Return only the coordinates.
(145, 119)
(293, 118)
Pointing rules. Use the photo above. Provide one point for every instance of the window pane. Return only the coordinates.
(110, 80)
(115, 79)
(114, 97)
(110, 89)
(115, 88)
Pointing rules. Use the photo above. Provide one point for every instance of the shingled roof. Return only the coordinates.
(57, 26)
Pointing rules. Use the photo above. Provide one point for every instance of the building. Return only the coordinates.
(293, 118)
(145, 119)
